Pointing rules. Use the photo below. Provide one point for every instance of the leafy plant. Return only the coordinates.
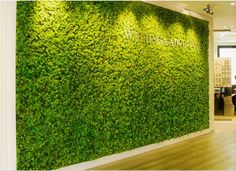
(98, 78)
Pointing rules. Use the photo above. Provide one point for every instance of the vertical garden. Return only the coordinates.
(98, 78)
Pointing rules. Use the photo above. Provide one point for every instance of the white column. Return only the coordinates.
(7, 85)
(211, 74)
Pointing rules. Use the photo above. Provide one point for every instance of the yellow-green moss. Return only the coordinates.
(98, 78)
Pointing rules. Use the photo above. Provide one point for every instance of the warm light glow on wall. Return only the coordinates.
(98, 78)
(48, 13)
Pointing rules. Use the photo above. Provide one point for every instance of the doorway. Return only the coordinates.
(225, 83)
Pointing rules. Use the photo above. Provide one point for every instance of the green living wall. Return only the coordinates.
(98, 78)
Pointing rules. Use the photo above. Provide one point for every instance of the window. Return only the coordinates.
(226, 51)
(229, 51)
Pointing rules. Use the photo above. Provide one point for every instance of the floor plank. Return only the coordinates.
(208, 152)
(224, 118)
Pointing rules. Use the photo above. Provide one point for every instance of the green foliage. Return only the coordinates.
(98, 78)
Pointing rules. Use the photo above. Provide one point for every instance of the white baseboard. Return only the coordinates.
(130, 153)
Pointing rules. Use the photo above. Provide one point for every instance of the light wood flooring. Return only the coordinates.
(225, 118)
(215, 151)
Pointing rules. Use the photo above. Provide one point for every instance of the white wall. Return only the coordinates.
(7, 85)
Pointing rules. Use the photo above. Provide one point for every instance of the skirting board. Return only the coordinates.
(130, 153)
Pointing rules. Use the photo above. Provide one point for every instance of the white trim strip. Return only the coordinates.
(7, 85)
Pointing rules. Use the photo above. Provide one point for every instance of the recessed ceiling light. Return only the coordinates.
(229, 26)
(232, 3)
(233, 30)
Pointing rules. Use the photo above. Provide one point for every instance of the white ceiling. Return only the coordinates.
(224, 13)
(224, 17)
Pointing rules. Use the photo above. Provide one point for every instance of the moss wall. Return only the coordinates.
(98, 78)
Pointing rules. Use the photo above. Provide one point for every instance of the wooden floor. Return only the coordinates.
(224, 118)
(215, 151)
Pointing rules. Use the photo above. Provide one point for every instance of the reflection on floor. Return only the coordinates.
(224, 118)
(214, 151)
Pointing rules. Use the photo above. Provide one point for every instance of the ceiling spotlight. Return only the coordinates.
(232, 3)
(229, 26)
(209, 9)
